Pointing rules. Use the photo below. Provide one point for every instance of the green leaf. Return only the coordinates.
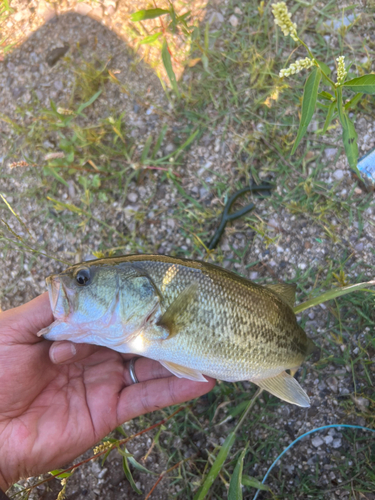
(60, 473)
(332, 294)
(353, 101)
(235, 487)
(216, 466)
(141, 15)
(150, 39)
(89, 102)
(140, 467)
(329, 116)
(254, 483)
(325, 95)
(168, 68)
(349, 137)
(310, 95)
(129, 476)
(364, 84)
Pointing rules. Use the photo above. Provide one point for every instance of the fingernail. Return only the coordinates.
(60, 353)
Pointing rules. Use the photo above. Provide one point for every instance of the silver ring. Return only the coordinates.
(133, 376)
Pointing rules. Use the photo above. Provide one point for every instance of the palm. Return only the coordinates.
(50, 414)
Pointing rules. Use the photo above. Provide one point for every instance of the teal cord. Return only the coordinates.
(304, 435)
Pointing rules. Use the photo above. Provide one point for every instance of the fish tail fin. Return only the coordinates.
(285, 387)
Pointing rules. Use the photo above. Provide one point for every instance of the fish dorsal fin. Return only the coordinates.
(286, 292)
(183, 372)
(177, 316)
(285, 387)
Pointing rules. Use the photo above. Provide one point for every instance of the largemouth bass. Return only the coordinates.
(194, 318)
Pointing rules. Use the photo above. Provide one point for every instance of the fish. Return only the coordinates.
(196, 318)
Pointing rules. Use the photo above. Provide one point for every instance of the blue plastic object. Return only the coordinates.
(366, 165)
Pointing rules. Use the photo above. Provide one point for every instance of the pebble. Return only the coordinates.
(332, 384)
(216, 18)
(253, 275)
(362, 403)
(328, 439)
(317, 441)
(330, 153)
(233, 21)
(337, 443)
(338, 174)
(358, 190)
(132, 197)
(359, 247)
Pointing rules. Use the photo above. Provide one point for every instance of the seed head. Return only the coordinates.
(64, 111)
(283, 19)
(341, 72)
(296, 67)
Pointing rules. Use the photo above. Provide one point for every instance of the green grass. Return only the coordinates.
(226, 95)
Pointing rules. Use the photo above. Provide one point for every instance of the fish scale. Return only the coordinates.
(195, 318)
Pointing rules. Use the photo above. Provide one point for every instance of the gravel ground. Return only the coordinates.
(27, 80)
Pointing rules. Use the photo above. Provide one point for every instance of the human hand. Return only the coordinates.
(56, 402)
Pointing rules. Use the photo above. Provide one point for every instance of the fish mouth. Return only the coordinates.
(56, 294)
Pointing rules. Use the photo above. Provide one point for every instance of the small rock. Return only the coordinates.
(330, 153)
(58, 84)
(55, 54)
(233, 21)
(18, 91)
(132, 197)
(253, 275)
(317, 441)
(359, 247)
(169, 148)
(338, 174)
(337, 443)
(171, 223)
(332, 384)
(362, 403)
(328, 439)
(216, 18)
(237, 10)
(358, 190)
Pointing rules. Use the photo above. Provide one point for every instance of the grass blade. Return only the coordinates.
(332, 294)
(15, 215)
(216, 467)
(146, 149)
(89, 102)
(235, 486)
(310, 95)
(166, 57)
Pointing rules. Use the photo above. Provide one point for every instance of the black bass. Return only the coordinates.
(194, 318)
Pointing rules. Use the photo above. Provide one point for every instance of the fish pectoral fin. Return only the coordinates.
(286, 291)
(177, 316)
(183, 371)
(285, 387)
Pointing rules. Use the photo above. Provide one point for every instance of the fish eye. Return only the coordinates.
(83, 276)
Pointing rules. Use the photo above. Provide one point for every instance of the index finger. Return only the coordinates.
(24, 322)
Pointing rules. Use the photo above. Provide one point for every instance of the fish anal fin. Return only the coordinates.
(177, 316)
(183, 371)
(285, 387)
(286, 291)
